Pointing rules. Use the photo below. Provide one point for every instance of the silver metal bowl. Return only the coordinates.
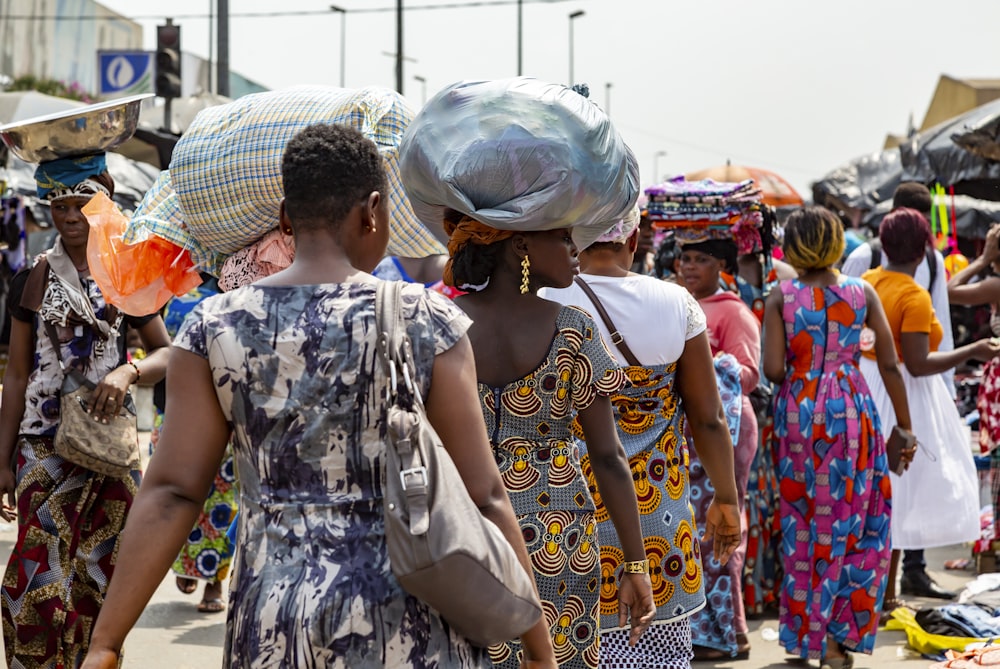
(74, 132)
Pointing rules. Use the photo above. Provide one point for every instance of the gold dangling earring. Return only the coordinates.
(525, 266)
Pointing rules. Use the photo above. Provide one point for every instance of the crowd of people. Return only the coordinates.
(562, 356)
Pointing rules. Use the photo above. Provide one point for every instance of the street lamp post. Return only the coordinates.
(574, 15)
(656, 165)
(423, 88)
(607, 98)
(343, 39)
(520, 42)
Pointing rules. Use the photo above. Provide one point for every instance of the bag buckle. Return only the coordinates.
(617, 338)
(414, 471)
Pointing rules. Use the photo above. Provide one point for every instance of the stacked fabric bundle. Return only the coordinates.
(701, 210)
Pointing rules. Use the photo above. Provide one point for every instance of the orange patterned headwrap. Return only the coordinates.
(469, 231)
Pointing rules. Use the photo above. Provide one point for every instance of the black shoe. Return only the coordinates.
(919, 584)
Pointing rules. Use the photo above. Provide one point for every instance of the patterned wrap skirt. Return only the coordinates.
(69, 520)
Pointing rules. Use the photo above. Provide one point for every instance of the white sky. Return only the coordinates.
(796, 86)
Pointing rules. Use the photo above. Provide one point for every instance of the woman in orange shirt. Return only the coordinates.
(943, 465)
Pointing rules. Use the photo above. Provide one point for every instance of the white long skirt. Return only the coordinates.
(936, 501)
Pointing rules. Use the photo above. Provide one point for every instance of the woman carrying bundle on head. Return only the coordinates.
(68, 517)
(540, 366)
(289, 365)
(720, 629)
(832, 464)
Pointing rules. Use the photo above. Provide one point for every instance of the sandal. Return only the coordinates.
(211, 606)
(186, 585)
(888, 606)
(846, 662)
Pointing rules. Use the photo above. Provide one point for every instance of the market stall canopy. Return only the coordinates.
(775, 190)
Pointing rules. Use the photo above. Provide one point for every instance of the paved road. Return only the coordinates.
(172, 634)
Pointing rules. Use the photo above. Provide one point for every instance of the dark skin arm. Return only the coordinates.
(107, 398)
(454, 411)
(921, 361)
(987, 291)
(15, 383)
(617, 489)
(774, 342)
(171, 496)
(712, 443)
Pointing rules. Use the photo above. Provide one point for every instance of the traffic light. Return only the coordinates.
(168, 61)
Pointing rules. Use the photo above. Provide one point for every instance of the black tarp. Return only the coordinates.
(951, 153)
(862, 183)
(973, 217)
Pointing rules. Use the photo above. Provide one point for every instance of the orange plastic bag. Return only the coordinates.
(137, 278)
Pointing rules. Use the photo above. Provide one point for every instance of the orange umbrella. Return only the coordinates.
(775, 191)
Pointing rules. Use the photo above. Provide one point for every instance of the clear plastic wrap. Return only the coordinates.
(518, 154)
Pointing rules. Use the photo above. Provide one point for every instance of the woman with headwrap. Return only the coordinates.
(664, 330)
(720, 629)
(832, 463)
(517, 169)
(68, 518)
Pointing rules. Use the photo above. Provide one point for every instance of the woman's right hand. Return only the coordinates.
(8, 503)
(986, 349)
(991, 252)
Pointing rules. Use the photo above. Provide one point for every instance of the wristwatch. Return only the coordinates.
(636, 567)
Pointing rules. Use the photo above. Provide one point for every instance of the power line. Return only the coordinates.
(269, 15)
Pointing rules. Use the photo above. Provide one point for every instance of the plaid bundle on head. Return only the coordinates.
(224, 187)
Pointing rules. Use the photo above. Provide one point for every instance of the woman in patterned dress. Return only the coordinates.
(664, 328)
(832, 464)
(540, 366)
(68, 518)
(720, 629)
(288, 363)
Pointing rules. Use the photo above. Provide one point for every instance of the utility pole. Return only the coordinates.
(222, 72)
(399, 46)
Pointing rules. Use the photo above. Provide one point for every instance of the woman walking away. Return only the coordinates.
(943, 463)
(68, 517)
(664, 329)
(832, 463)
(289, 363)
(720, 629)
(539, 365)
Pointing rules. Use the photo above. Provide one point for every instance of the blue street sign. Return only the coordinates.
(125, 72)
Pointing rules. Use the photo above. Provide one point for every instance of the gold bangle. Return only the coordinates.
(637, 567)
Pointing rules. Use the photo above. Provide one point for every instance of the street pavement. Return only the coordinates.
(172, 634)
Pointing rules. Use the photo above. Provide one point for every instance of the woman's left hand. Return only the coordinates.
(723, 527)
(109, 395)
(635, 604)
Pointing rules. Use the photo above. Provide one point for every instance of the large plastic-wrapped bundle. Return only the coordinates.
(224, 185)
(518, 154)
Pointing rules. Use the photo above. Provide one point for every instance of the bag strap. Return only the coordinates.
(395, 352)
(616, 337)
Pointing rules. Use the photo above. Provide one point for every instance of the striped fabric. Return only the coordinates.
(223, 188)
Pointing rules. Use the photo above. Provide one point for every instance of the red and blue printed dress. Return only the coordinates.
(833, 475)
